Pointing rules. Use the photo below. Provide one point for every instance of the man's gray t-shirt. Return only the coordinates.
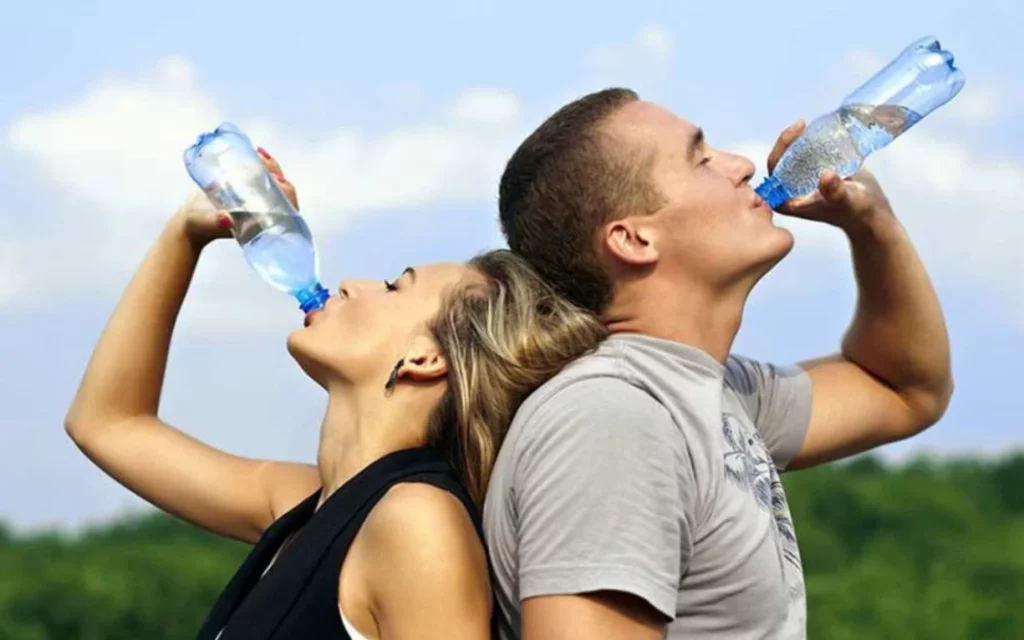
(649, 468)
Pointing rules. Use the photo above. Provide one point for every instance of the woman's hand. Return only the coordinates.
(203, 223)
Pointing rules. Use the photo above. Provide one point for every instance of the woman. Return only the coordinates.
(380, 539)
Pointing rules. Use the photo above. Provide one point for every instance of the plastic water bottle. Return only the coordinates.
(275, 239)
(917, 82)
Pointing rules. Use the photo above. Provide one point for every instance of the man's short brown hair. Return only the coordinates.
(562, 184)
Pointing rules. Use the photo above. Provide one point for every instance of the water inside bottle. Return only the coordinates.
(840, 141)
(873, 127)
(279, 247)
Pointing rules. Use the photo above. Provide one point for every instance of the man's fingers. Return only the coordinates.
(832, 187)
(797, 205)
(786, 138)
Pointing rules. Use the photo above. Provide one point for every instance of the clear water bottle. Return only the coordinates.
(917, 82)
(275, 239)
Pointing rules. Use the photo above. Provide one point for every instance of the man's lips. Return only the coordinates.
(759, 203)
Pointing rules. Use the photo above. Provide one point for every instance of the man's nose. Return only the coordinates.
(740, 168)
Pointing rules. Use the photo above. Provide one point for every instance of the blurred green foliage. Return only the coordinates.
(925, 550)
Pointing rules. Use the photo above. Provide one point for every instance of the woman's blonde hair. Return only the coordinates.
(503, 336)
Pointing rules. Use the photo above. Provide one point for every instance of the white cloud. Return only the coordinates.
(975, 105)
(645, 58)
(963, 208)
(657, 42)
(486, 107)
(863, 63)
(114, 156)
(12, 278)
(456, 159)
(118, 147)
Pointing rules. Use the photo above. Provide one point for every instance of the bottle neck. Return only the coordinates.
(312, 298)
(773, 192)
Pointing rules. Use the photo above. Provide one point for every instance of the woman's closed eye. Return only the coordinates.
(391, 286)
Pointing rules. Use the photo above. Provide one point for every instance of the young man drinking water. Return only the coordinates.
(637, 493)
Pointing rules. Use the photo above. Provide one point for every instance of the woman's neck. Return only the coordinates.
(361, 426)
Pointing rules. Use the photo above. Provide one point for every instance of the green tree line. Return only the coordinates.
(923, 550)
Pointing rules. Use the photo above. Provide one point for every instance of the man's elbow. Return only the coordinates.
(939, 402)
(928, 406)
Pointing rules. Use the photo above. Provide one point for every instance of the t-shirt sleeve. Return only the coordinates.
(602, 496)
(777, 399)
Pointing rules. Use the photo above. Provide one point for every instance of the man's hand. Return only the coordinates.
(848, 204)
(892, 378)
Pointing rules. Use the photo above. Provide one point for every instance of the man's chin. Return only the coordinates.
(773, 255)
(782, 245)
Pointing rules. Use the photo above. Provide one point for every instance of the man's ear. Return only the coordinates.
(632, 240)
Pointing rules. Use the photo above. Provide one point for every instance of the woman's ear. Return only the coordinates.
(424, 361)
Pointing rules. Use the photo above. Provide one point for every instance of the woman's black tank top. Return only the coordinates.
(298, 596)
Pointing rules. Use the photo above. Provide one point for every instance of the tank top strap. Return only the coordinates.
(248, 575)
(252, 607)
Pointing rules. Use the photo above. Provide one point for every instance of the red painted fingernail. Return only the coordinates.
(263, 152)
(224, 222)
(280, 177)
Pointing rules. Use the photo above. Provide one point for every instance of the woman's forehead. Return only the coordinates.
(440, 274)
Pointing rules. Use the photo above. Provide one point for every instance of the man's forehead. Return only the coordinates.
(647, 118)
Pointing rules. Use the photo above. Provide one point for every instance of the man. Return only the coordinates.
(637, 493)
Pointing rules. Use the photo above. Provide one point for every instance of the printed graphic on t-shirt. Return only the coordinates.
(749, 465)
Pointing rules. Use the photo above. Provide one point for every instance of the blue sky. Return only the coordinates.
(394, 118)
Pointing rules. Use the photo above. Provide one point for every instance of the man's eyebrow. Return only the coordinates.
(696, 142)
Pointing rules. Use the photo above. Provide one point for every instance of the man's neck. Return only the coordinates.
(361, 426)
(688, 315)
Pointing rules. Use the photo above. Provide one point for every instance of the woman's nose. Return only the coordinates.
(346, 288)
(354, 288)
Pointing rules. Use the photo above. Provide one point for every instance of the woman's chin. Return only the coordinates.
(299, 347)
(294, 343)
